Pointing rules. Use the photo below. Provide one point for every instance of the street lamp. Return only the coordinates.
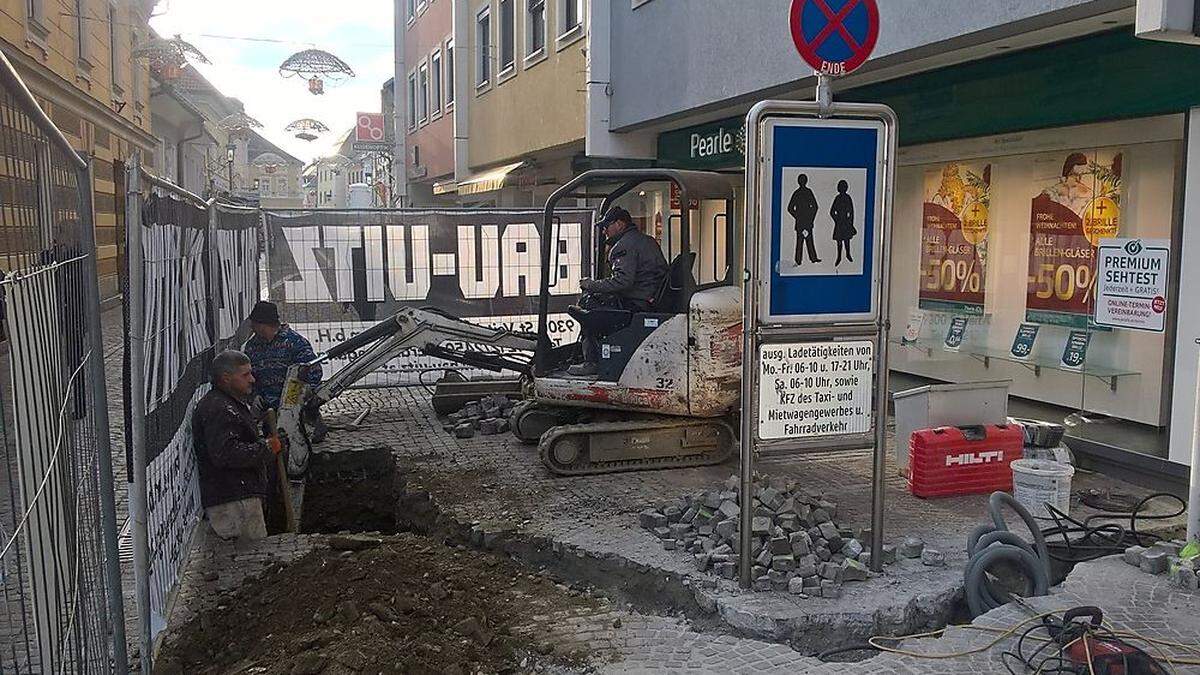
(230, 154)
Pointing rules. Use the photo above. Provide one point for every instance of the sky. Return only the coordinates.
(357, 31)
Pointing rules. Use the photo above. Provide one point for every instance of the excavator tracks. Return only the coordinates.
(610, 447)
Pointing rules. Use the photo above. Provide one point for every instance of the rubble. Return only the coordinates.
(488, 416)
(797, 547)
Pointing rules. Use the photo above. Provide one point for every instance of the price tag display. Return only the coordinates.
(815, 389)
(1022, 346)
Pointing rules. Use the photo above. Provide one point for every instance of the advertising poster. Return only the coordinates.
(954, 231)
(1072, 212)
(1131, 286)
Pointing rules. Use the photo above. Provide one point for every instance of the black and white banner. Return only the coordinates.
(336, 273)
(199, 280)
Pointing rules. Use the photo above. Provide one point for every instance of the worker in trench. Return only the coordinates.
(638, 270)
(234, 455)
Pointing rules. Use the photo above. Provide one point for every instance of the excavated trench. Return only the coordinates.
(366, 491)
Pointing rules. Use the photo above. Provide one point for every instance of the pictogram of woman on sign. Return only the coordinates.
(842, 212)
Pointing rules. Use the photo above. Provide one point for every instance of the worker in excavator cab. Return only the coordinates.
(638, 270)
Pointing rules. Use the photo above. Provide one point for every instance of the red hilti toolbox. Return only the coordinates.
(949, 461)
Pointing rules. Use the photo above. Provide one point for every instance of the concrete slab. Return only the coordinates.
(498, 484)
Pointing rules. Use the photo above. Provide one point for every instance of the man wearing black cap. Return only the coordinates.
(272, 350)
(638, 269)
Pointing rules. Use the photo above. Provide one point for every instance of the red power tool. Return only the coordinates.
(1092, 649)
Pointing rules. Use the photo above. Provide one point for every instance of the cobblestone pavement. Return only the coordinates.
(501, 484)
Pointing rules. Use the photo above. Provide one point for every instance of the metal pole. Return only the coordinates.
(750, 254)
(824, 95)
(1193, 517)
(138, 504)
(99, 396)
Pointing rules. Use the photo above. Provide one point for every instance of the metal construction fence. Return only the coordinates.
(190, 280)
(59, 571)
(334, 273)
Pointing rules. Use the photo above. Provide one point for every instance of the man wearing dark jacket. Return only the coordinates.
(638, 270)
(233, 455)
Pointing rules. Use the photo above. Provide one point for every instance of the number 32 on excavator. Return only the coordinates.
(669, 379)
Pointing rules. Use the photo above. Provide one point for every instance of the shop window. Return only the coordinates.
(996, 265)
(423, 80)
(535, 28)
(507, 36)
(449, 73)
(435, 83)
(483, 42)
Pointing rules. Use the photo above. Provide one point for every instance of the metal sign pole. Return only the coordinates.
(795, 342)
(1193, 515)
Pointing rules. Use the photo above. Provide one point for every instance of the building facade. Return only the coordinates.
(75, 56)
(429, 95)
(1011, 106)
(274, 175)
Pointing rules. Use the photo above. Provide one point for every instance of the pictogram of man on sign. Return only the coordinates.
(803, 207)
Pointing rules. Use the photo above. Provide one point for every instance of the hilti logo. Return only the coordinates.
(970, 458)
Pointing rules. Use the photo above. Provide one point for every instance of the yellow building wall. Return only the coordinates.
(79, 97)
(539, 106)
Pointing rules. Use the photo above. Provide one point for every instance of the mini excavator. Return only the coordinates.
(668, 381)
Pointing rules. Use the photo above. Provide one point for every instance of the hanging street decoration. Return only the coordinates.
(168, 56)
(239, 122)
(317, 67)
(307, 129)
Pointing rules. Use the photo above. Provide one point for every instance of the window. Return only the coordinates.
(35, 11)
(571, 12)
(114, 65)
(535, 27)
(449, 72)
(136, 66)
(423, 80)
(412, 101)
(81, 31)
(435, 82)
(281, 187)
(411, 6)
(483, 43)
(507, 38)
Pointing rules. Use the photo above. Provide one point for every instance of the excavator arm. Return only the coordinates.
(432, 332)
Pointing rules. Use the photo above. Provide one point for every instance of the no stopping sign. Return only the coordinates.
(835, 36)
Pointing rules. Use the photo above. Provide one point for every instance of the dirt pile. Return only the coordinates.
(401, 604)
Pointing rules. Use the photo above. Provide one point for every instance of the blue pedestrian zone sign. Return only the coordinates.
(823, 183)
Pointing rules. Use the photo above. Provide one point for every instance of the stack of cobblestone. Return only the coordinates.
(1164, 558)
(488, 416)
(797, 545)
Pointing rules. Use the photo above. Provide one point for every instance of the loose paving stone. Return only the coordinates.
(796, 585)
(933, 558)
(853, 548)
(911, 547)
(831, 590)
(1153, 561)
(853, 570)
(651, 519)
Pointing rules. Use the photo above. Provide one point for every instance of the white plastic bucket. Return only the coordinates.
(1037, 482)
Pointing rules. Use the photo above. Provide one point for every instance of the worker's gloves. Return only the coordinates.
(587, 284)
(274, 445)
